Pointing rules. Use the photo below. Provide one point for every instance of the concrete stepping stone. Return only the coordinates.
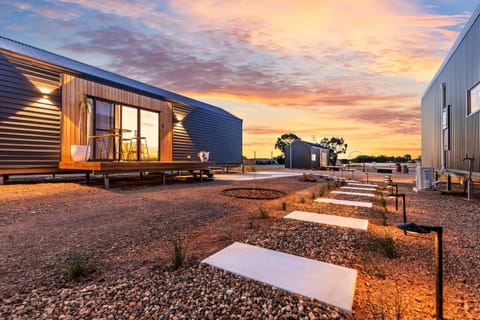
(360, 194)
(328, 283)
(363, 185)
(358, 188)
(345, 202)
(332, 220)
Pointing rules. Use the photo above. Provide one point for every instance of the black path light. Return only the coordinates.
(412, 227)
(396, 195)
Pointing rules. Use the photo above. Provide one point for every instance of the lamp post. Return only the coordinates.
(412, 227)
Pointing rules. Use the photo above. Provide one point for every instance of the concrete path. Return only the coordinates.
(359, 194)
(345, 202)
(339, 221)
(328, 283)
(363, 185)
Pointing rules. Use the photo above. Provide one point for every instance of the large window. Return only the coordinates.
(473, 99)
(139, 130)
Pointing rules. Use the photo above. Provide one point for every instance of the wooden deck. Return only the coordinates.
(196, 168)
(134, 166)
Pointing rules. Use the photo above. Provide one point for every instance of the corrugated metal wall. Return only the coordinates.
(30, 106)
(200, 129)
(300, 154)
(459, 74)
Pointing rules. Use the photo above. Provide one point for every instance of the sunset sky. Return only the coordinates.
(319, 68)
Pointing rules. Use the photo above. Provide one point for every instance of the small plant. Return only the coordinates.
(263, 213)
(302, 200)
(76, 266)
(227, 235)
(313, 195)
(251, 225)
(284, 205)
(376, 270)
(387, 245)
(178, 251)
(322, 190)
(399, 307)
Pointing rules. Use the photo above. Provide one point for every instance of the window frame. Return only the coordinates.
(468, 109)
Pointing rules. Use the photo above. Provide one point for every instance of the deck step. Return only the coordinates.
(328, 219)
(345, 202)
(328, 283)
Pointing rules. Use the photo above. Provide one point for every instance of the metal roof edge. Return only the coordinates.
(454, 47)
(83, 68)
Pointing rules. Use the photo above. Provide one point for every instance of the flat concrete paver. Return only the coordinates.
(328, 283)
(360, 194)
(345, 202)
(360, 224)
(358, 188)
(363, 185)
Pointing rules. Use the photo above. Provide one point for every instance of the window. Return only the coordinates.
(473, 99)
(140, 134)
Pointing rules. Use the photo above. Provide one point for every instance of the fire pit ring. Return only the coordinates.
(254, 193)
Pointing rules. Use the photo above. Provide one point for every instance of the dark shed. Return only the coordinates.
(305, 155)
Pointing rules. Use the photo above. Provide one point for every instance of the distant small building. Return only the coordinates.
(305, 155)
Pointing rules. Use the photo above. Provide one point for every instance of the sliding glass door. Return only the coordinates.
(149, 131)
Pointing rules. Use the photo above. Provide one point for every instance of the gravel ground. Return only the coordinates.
(125, 234)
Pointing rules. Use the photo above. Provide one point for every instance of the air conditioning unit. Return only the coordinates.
(424, 178)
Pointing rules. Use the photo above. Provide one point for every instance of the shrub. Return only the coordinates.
(313, 196)
(263, 213)
(178, 251)
(284, 205)
(77, 266)
(387, 245)
(302, 200)
(322, 190)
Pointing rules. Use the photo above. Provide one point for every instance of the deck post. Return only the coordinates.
(106, 181)
(87, 177)
(163, 178)
(201, 176)
(3, 179)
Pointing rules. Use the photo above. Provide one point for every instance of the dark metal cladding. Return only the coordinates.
(299, 155)
(458, 73)
(198, 129)
(29, 118)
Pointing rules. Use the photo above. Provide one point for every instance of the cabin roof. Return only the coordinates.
(311, 144)
(89, 70)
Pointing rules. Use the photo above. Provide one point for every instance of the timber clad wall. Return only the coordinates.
(459, 74)
(30, 108)
(201, 129)
(73, 90)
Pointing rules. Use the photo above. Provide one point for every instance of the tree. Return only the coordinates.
(284, 140)
(336, 146)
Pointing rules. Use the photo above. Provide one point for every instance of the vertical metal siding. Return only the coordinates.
(301, 155)
(201, 129)
(460, 73)
(29, 118)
